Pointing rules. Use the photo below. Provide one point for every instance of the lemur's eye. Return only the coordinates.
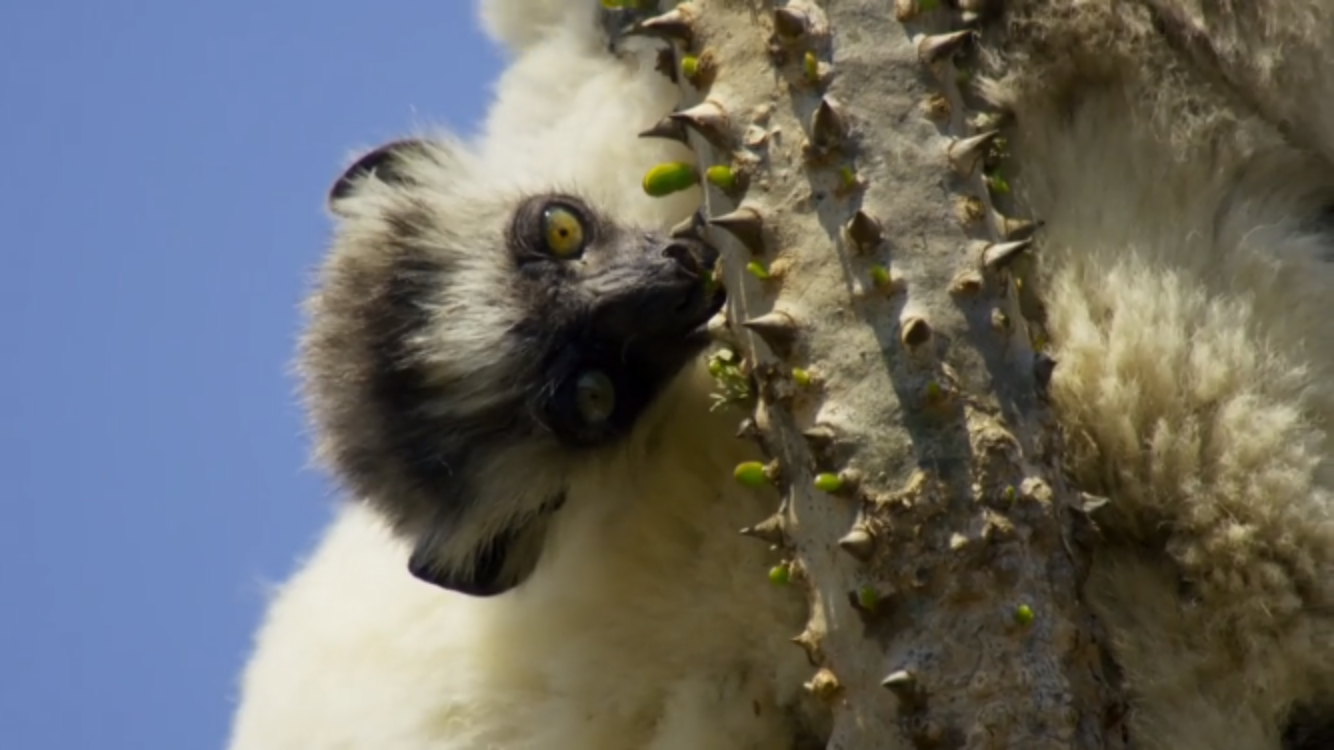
(562, 232)
(595, 396)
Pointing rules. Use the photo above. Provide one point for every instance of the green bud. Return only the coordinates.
(827, 482)
(847, 176)
(781, 574)
(721, 176)
(690, 67)
(811, 67)
(758, 270)
(801, 377)
(751, 474)
(668, 178)
(880, 275)
(868, 597)
(1023, 614)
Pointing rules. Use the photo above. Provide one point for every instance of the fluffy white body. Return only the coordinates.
(594, 652)
(1186, 278)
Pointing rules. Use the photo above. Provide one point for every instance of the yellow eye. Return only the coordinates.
(563, 232)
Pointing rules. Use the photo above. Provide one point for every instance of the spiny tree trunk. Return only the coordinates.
(899, 394)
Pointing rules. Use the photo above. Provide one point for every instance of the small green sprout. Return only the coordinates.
(810, 65)
(997, 183)
(801, 377)
(781, 574)
(670, 177)
(880, 275)
(757, 269)
(847, 177)
(1023, 615)
(751, 474)
(828, 482)
(868, 597)
(690, 67)
(721, 176)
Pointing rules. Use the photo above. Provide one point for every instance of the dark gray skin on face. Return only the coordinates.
(599, 334)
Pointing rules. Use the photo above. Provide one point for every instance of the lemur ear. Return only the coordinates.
(493, 566)
(389, 163)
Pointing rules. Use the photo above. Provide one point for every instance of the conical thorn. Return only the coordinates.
(865, 231)
(776, 328)
(819, 436)
(1014, 229)
(1001, 254)
(859, 543)
(746, 224)
(915, 332)
(769, 530)
(668, 128)
(937, 47)
(790, 23)
(829, 127)
(903, 684)
(965, 153)
(708, 118)
(689, 227)
(810, 643)
(676, 25)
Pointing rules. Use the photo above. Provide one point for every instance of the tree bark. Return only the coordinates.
(872, 286)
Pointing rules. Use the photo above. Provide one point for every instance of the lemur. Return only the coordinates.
(504, 366)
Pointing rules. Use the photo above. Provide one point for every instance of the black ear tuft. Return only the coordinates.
(386, 163)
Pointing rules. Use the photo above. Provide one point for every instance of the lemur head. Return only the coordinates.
(470, 342)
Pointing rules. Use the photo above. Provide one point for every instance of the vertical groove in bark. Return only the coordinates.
(924, 508)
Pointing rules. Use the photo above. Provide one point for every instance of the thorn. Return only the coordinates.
(676, 25)
(672, 130)
(828, 126)
(689, 228)
(964, 153)
(1014, 229)
(790, 23)
(708, 118)
(865, 231)
(769, 530)
(936, 47)
(859, 543)
(777, 329)
(903, 684)
(811, 645)
(999, 255)
(748, 429)
(745, 224)
(819, 436)
(915, 332)
(824, 684)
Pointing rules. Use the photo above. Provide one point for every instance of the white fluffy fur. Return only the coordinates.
(592, 653)
(1187, 301)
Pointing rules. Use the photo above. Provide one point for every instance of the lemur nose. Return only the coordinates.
(685, 254)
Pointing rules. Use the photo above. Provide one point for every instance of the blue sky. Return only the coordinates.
(162, 209)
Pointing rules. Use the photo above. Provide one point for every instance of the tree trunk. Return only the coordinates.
(899, 395)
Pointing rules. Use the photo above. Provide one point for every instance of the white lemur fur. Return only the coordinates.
(1185, 273)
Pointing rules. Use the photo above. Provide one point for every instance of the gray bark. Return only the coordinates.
(872, 294)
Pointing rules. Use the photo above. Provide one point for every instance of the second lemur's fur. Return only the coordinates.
(502, 365)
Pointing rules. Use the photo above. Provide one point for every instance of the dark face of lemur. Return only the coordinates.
(466, 350)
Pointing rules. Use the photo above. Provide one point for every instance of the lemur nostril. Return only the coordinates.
(684, 255)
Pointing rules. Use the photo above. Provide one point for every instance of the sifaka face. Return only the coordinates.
(468, 345)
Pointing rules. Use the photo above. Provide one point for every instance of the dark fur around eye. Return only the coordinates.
(526, 232)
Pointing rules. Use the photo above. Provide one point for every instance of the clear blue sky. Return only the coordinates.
(161, 208)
